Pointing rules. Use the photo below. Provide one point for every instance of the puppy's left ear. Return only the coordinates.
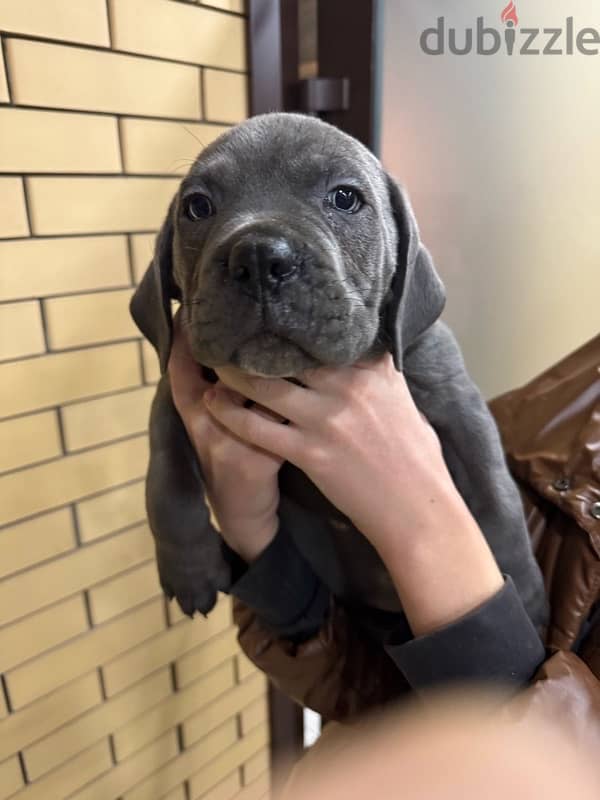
(417, 292)
(150, 305)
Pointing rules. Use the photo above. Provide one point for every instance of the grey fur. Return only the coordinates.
(361, 284)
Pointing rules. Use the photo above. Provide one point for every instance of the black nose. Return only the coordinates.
(257, 258)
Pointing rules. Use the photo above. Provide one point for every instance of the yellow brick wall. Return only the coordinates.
(106, 691)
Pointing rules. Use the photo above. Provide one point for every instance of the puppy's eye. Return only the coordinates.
(198, 206)
(345, 198)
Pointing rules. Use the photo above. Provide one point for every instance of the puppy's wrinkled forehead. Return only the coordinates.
(279, 151)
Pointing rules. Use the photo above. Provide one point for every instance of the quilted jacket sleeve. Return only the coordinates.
(339, 673)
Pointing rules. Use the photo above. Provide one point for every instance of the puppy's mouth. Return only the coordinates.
(272, 355)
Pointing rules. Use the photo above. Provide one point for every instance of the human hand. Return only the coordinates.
(355, 431)
(357, 434)
(240, 477)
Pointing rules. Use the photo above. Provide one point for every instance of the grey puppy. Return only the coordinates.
(290, 247)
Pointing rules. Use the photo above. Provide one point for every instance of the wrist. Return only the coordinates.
(443, 569)
(250, 537)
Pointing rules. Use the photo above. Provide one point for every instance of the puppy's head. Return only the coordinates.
(289, 247)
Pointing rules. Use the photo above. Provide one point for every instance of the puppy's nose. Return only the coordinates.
(256, 258)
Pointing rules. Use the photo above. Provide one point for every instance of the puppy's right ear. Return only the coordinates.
(150, 305)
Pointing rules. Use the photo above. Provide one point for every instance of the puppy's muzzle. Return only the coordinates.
(260, 260)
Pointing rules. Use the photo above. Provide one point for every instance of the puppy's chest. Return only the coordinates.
(338, 553)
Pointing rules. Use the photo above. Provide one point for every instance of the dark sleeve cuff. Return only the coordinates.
(281, 588)
(495, 642)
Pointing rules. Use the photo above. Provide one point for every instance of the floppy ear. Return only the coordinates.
(150, 305)
(418, 295)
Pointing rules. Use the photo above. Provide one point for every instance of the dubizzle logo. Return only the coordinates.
(487, 41)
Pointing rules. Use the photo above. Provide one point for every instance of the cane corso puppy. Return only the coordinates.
(290, 247)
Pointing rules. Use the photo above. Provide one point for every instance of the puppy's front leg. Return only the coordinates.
(446, 395)
(189, 551)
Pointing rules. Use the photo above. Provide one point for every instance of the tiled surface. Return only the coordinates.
(21, 332)
(13, 220)
(25, 440)
(157, 146)
(100, 118)
(98, 205)
(3, 83)
(51, 141)
(226, 96)
(76, 78)
(181, 32)
(83, 21)
(41, 267)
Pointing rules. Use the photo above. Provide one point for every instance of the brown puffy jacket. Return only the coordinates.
(550, 430)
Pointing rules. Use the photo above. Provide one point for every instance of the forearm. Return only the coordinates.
(442, 567)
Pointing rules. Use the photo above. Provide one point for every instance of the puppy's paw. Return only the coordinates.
(193, 577)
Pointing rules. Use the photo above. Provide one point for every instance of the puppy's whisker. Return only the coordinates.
(193, 135)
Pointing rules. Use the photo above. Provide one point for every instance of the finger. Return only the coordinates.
(290, 401)
(239, 400)
(255, 428)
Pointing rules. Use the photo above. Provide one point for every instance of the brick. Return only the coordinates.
(40, 267)
(85, 730)
(3, 85)
(116, 782)
(56, 483)
(226, 96)
(228, 704)
(25, 440)
(46, 584)
(150, 362)
(183, 32)
(158, 147)
(99, 205)
(50, 141)
(173, 710)
(13, 220)
(245, 667)
(73, 78)
(70, 776)
(36, 678)
(256, 766)
(226, 762)
(37, 383)
(89, 319)
(96, 421)
(256, 790)
(49, 713)
(224, 789)
(142, 251)
(57, 19)
(111, 511)
(176, 794)
(39, 632)
(21, 332)
(44, 536)
(178, 769)
(115, 596)
(167, 647)
(11, 777)
(237, 6)
(254, 714)
(202, 659)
